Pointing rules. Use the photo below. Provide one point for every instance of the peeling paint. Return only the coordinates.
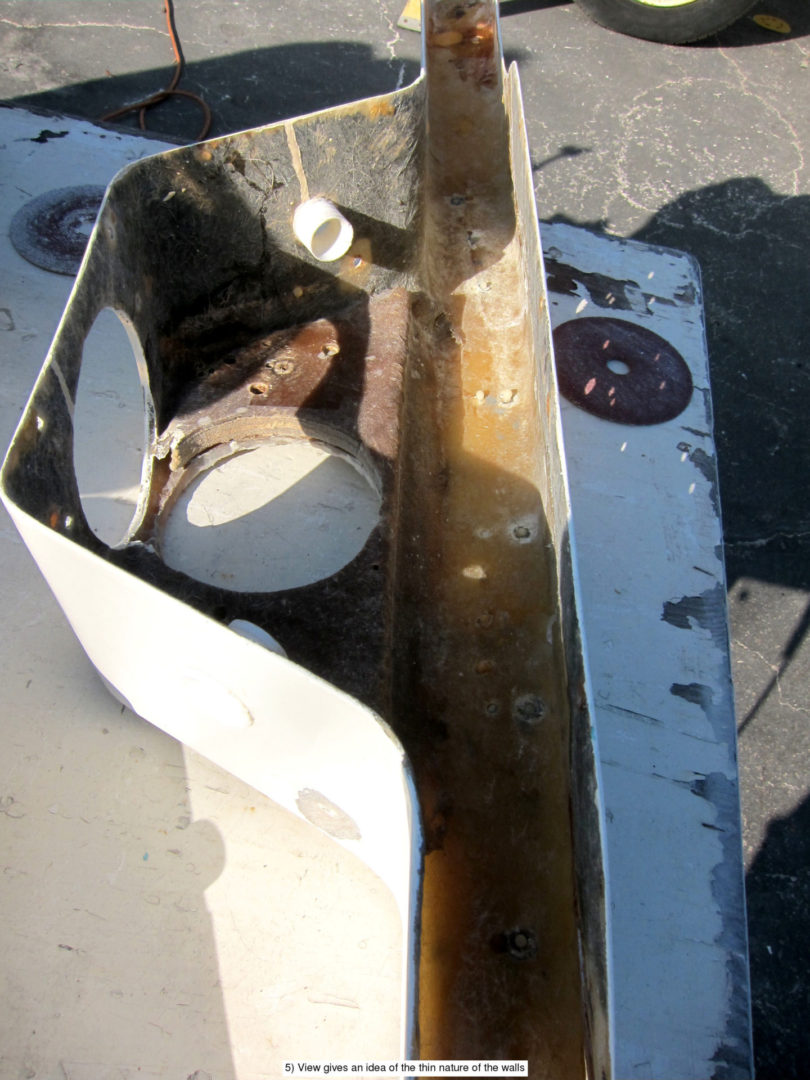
(733, 1056)
(686, 294)
(46, 135)
(604, 291)
(708, 466)
(696, 693)
(707, 610)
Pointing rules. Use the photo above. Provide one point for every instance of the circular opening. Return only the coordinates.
(110, 426)
(324, 237)
(618, 367)
(83, 223)
(275, 517)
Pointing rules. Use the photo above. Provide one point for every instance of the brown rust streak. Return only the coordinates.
(479, 682)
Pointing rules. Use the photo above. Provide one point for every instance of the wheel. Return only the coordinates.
(672, 21)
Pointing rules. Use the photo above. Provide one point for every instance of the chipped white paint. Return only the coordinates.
(649, 556)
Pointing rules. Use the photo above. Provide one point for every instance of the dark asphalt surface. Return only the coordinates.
(705, 148)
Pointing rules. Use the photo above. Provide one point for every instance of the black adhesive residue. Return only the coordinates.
(46, 135)
(604, 291)
(696, 693)
(707, 610)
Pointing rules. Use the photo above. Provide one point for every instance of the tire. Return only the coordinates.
(673, 21)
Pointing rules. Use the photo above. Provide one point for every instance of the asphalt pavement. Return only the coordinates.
(704, 148)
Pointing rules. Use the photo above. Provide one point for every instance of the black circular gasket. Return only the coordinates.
(52, 230)
(649, 381)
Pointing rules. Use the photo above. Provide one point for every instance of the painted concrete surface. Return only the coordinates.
(701, 148)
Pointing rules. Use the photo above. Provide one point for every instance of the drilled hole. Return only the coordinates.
(618, 367)
(528, 710)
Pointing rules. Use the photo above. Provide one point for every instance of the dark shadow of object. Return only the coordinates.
(745, 33)
(564, 152)
(523, 7)
(778, 888)
(244, 90)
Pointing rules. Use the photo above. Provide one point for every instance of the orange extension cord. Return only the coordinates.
(171, 90)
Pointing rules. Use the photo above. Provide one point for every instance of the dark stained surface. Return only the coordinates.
(621, 373)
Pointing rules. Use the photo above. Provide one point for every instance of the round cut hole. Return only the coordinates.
(110, 426)
(275, 517)
(618, 367)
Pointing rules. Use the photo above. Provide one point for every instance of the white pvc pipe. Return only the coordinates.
(322, 229)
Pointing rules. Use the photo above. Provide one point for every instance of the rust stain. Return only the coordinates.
(499, 786)
(446, 39)
(480, 697)
(376, 108)
(356, 266)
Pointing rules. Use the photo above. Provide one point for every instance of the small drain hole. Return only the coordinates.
(618, 367)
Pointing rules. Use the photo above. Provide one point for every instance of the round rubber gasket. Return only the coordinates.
(52, 230)
(619, 371)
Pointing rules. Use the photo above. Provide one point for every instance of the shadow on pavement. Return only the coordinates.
(244, 90)
(778, 890)
(745, 32)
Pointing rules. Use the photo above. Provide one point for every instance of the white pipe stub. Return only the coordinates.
(322, 229)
